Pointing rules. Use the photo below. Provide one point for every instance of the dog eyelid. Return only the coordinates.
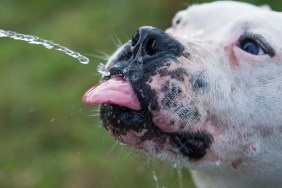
(178, 21)
(260, 41)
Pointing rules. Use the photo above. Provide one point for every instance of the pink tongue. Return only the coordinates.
(113, 91)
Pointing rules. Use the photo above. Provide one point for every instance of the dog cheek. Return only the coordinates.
(229, 51)
(177, 110)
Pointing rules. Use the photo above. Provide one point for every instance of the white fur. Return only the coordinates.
(245, 94)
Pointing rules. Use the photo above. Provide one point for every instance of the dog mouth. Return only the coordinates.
(130, 108)
(125, 114)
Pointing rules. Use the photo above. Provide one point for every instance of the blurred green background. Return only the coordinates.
(48, 138)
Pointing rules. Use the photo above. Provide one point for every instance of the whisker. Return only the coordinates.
(95, 110)
(112, 148)
(100, 55)
(94, 115)
(116, 41)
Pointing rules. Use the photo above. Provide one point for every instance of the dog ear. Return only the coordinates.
(265, 7)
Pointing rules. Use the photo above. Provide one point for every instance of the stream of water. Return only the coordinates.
(46, 43)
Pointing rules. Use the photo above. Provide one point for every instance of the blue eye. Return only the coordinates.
(255, 44)
(252, 47)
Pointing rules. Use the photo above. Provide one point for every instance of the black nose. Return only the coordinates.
(147, 40)
(148, 48)
(150, 42)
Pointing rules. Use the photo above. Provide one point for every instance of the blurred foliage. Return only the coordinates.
(48, 138)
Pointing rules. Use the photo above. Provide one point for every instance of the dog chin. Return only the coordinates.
(136, 128)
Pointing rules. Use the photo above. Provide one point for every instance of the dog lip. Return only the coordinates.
(113, 91)
(193, 145)
(123, 121)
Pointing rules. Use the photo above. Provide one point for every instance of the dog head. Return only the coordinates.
(206, 93)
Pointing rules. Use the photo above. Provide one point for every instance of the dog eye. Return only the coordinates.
(178, 21)
(252, 47)
(255, 44)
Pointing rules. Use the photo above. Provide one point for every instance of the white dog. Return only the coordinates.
(207, 93)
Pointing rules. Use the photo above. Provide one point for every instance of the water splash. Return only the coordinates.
(46, 43)
(155, 178)
(178, 168)
(149, 165)
(103, 70)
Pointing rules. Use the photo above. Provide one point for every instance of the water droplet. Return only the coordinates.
(180, 177)
(46, 43)
(177, 165)
(218, 163)
(103, 70)
(155, 178)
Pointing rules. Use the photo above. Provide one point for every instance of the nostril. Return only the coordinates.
(151, 47)
(135, 38)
